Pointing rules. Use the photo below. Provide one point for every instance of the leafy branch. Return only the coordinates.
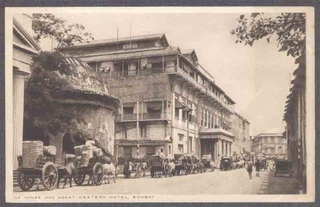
(48, 25)
(288, 27)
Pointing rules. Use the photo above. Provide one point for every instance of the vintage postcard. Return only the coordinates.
(203, 104)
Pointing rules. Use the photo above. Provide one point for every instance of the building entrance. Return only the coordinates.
(207, 147)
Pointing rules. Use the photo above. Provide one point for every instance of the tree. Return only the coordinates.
(42, 88)
(289, 29)
(48, 25)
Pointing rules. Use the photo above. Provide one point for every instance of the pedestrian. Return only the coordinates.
(144, 166)
(257, 165)
(249, 168)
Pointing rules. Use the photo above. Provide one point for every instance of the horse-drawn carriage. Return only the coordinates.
(158, 166)
(225, 163)
(196, 165)
(34, 164)
(182, 163)
(179, 165)
(206, 160)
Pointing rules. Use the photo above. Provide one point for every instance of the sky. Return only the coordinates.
(257, 78)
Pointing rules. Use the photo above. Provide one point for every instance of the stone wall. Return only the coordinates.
(98, 121)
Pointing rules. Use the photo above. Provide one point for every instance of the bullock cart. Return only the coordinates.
(34, 164)
(93, 170)
(179, 162)
(158, 166)
(89, 162)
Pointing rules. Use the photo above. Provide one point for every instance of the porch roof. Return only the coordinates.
(216, 133)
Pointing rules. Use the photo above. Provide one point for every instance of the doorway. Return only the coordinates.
(68, 144)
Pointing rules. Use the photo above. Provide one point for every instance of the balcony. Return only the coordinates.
(140, 72)
(142, 117)
(184, 74)
(170, 70)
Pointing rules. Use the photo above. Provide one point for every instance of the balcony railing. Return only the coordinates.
(197, 84)
(142, 117)
(169, 69)
(147, 116)
(141, 72)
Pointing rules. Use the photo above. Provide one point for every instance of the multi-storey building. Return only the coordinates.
(271, 143)
(169, 100)
(295, 117)
(240, 130)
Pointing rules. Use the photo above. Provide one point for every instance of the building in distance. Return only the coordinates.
(241, 132)
(272, 143)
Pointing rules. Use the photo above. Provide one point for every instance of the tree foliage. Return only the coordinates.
(289, 29)
(48, 25)
(44, 83)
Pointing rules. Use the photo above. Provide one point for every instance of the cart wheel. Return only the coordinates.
(152, 172)
(49, 176)
(79, 179)
(97, 173)
(25, 182)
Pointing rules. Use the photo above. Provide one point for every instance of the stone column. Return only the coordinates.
(227, 148)
(215, 150)
(222, 149)
(219, 146)
(18, 106)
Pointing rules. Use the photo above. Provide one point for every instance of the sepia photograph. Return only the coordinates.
(155, 104)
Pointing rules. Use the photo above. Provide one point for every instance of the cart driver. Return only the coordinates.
(160, 153)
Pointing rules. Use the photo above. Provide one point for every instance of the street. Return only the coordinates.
(209, 183)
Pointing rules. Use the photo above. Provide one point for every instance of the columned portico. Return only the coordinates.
(24, 48)
(18, 105)
(221, 140)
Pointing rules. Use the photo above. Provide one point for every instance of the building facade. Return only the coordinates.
(295, 118)
(241, 132)
(270, 143)
(24, 47)
(169, 101)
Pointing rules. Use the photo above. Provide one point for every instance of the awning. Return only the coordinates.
(178, 104)
(186, 108)
(182, 106)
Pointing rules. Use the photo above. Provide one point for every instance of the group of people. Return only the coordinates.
(141, 168)
(258, 166)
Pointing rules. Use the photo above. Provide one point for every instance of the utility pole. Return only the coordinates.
(117, 40)
(130, 36)
(138, 147)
